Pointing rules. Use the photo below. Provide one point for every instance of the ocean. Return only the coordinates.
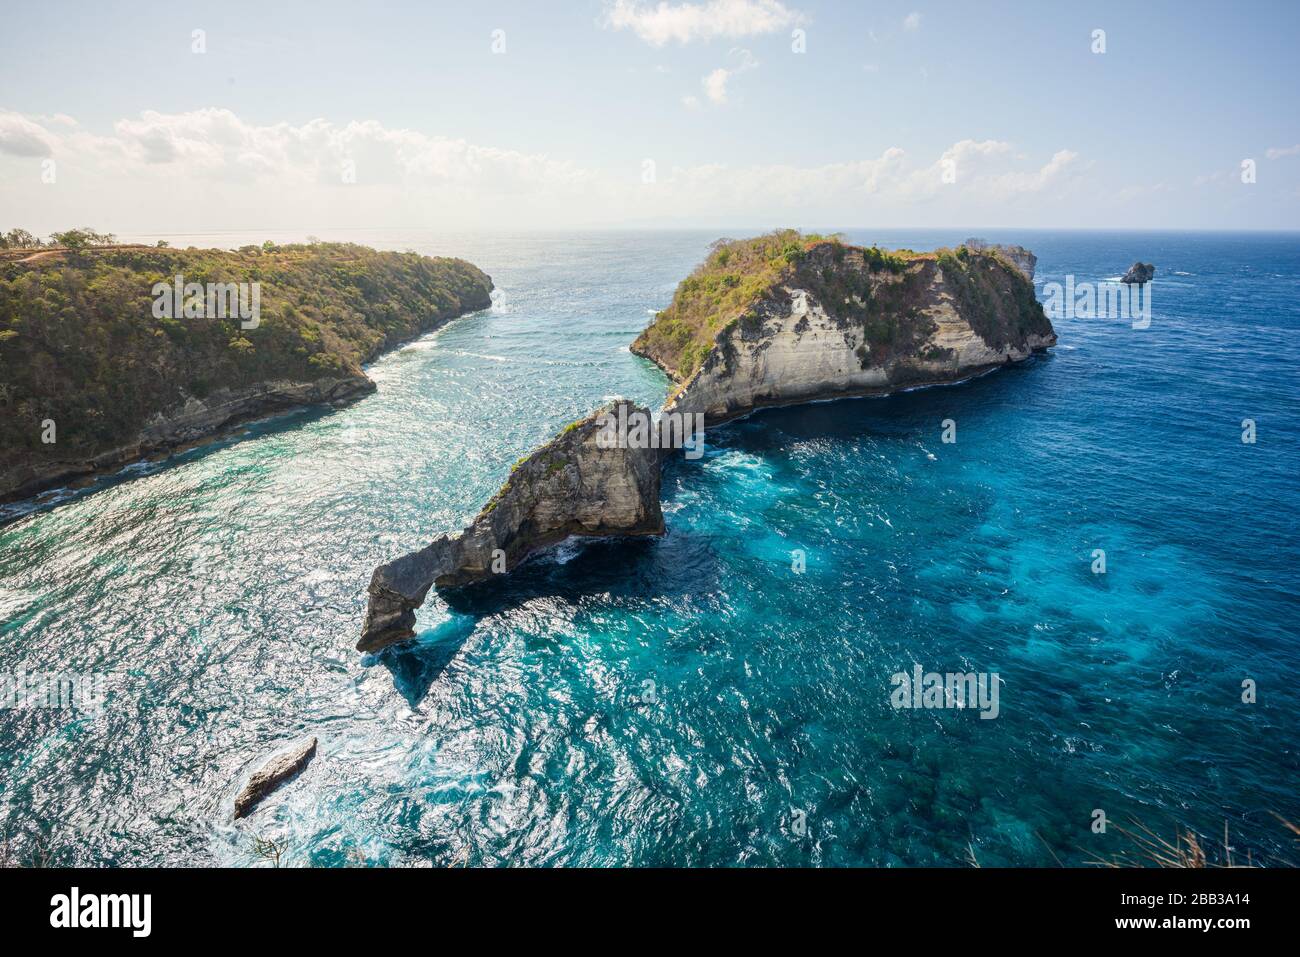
(701, 699)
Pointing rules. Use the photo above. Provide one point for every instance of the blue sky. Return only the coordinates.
(632, 114)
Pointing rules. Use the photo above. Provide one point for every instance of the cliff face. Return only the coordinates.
(841, 323)
(1018, 256)
(769, 321)
(83, 349)
(573, 485)
(191, 422)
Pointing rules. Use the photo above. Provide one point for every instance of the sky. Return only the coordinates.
(162, 118)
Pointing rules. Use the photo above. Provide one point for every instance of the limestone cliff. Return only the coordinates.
(574, 485)
(842, 321)
(769, 321)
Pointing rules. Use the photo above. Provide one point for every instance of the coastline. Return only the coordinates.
(181, 431)
(574, 492)
(914, 550)
(883, 392)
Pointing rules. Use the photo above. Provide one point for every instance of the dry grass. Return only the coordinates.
(1186, 849)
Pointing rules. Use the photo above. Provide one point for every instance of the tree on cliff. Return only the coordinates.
(81, 238)
(18, 239)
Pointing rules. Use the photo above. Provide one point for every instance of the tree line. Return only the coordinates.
(68, 239)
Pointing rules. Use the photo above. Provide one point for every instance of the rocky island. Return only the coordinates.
(779, 319)
(95, 376)
(1139, 273)
(784, 319)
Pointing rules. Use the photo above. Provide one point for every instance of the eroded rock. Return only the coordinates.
(833, 321)
(569, 486)
(278, 770)
(839, 327)
(1139, 273)
(1018, 256)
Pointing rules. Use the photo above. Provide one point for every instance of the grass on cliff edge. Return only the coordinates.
(738, 274)
(79, 343)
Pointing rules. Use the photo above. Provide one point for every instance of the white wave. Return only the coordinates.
(477, 355)
(566, 551)
(13, 602)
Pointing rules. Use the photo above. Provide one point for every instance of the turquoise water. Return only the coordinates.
(676, 702)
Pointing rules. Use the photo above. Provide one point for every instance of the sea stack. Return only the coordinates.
(1139, 273)
(576, 484)
(769, 321)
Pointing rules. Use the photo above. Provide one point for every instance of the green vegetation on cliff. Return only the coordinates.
(992, 296)
(728, 285)
(885, 293)
(80, 343)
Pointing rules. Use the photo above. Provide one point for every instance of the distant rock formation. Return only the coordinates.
(1139, 273)
(1018, 256)
(572, 485)
(276, 772)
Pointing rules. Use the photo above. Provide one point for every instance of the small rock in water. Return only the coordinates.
(278, 770)
(1139, 273)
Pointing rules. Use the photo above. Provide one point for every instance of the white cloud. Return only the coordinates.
(209, 169)
(715, 83)
(989, 181)
(684, 22)
(1279, 152)
(912, 21)
(20, 136)
(216, 144)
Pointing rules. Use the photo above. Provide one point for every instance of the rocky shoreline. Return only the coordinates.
(840, 322)
(189, 420)
(197, 423)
